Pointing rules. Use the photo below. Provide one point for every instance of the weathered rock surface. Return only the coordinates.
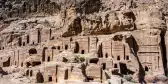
(84, 41)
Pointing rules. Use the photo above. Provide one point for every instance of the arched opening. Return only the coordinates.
(146, 68)
(83, 52)
(32, 51)
(50, 79)
(31, 73)
(48, 58)
(39, 78)
(115, 66)
(39, 36)
(66, 47)
(27, 73)
(118, 57)
(28, 39)
(106, 55)
(44, 53)
(127, 57)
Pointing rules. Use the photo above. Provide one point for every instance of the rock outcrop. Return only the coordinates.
(84, 41)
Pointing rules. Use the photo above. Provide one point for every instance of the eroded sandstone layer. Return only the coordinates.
(84, 41)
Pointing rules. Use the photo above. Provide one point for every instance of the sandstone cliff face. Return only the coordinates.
(85, 40)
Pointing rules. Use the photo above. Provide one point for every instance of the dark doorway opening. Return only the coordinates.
(146, 68)
(106, 55)
(28, 39)
(66, 47)
(31, 73)
(100, 53)
(7, 63)
(83, 52)
(20, 41)
(48, 59)
(66, 74)
(50, 79)
(76, 48)
(123, 68)
(118, 57)
(21, 64)
(24, 44)
(59, 47)
(127, 57)
(115, 66)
